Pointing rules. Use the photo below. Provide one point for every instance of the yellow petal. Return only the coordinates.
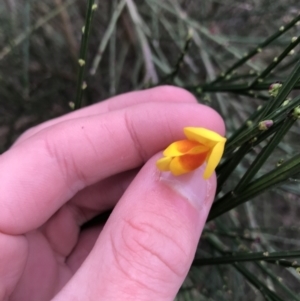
(187, 163)
(163, 164)
(199, 149)
(177, 168)
(179, 148)
(203, 136)
(186, 155)
(214, 159)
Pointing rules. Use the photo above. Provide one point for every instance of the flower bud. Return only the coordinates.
(286, 102)
(296, 112)
(265, 125)
(274, 88)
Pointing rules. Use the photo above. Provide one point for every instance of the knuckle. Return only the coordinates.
(59, 150)
(131, 129)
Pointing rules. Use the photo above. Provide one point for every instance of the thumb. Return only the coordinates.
(148, 244)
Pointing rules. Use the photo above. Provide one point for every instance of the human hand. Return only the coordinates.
(62, 173)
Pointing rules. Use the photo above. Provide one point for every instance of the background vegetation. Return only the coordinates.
(227, 53)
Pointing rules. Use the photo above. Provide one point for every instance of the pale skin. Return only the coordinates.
(62, 173)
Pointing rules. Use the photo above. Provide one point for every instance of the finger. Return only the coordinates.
(85, 244)
(147, 246)
(158, 94)
(100, 197)
(62, 229)
(14, 251)
(39, 175)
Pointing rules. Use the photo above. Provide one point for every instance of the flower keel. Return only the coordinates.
(184, 156)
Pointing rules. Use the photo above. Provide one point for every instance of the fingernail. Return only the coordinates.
(191, 186)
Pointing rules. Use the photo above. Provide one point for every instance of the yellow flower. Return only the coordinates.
(201, 146)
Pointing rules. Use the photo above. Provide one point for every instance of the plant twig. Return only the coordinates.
(81, 85)
(276, 61)
(256, 50)
(170, 77)
(231, 257)
(231, 200)
(107, 36)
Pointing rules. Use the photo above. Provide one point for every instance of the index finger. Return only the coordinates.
(42, 173)
(157, 94)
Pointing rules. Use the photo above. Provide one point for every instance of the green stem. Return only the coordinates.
(276, 115)
(256, 50)
(274, 177)
(257, 258)
(83, 52)
(284, 263)
(277, 281)
(228, 167)
(265, 291)
(112, 54)
(245, 125)
(286, 88)
(233, 88)
(172, 75)
(276, 62)
(232, 257)
(264, 155)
